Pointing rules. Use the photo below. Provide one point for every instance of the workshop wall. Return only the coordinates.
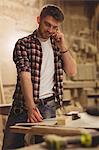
(81, 29)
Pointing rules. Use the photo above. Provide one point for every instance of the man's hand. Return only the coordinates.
(34, 115)
(60, 40)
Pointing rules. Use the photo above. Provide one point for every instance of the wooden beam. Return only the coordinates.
(43, 130)
(4, 109)
(79, 84)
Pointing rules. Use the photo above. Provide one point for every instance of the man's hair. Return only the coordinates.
(52, 10)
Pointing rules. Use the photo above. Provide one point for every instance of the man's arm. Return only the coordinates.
(68, 61)
(70, 66)
(27, 89)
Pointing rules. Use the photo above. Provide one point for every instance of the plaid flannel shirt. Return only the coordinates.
(27, 56)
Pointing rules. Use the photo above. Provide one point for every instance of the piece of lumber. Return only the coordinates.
(4, 109)
(43, 130)
(79, 84)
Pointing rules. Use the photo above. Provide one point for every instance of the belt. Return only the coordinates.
(48, 99)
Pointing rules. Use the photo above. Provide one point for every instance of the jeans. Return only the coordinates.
(16, 140)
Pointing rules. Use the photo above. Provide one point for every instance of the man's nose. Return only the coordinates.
(50, 29)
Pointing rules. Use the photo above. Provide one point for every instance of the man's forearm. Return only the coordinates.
(27, 89)
(69, 63)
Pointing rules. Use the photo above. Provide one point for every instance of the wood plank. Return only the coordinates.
(63, 131)
(4, 109)
(73, 127)
(19, 129)
(79, 84)
(43, 130)
(34, 147)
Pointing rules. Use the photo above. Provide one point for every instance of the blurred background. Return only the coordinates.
(81, 29)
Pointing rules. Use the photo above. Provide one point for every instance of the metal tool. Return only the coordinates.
(55, 142)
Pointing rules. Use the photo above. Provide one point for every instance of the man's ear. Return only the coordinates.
(38, 19)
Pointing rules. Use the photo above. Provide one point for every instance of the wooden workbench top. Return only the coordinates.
(42, 147)
(73, 127)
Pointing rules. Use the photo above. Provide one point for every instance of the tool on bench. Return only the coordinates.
(94, 110)
(55, 142)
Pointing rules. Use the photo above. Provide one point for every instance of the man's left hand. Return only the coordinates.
(60, 40)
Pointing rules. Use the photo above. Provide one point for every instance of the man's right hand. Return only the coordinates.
(34, 115)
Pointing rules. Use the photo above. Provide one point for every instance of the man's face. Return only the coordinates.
(48, 26)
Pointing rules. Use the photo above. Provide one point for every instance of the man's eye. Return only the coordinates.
(47, 24)
(55, 28)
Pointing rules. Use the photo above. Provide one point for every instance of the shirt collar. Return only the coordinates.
(35, 36)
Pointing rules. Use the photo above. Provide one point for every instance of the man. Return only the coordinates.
(40, 59)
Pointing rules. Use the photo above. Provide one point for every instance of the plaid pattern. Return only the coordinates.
(27, 56)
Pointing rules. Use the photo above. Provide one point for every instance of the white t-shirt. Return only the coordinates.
(47, 70)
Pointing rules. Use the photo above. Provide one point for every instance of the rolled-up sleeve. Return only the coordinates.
(21, 57)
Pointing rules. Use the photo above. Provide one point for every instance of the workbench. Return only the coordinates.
(86, 123)
(42, 147)
(45, 129)
(70, 130)
(49, 126)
